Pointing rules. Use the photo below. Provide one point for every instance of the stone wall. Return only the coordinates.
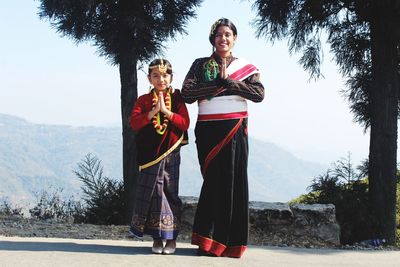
(282, 224)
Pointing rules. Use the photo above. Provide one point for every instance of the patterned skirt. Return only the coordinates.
(158, 206)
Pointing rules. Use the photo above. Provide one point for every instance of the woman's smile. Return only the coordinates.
(224, 40)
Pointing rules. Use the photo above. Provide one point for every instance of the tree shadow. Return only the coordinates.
(85, 248)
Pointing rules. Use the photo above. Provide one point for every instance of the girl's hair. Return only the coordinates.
(221, 22)
(162, 64)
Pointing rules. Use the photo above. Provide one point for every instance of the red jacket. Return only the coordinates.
(150, 144)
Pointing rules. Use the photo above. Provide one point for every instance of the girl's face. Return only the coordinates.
(160, 80)
(224, 40)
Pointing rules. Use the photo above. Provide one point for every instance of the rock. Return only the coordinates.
(266, 215)
(317, 221)
(278, 223)
(188, 210)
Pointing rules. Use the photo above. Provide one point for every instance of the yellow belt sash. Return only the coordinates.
(157, 160)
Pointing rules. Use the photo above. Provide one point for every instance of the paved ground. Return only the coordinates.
(17, 251)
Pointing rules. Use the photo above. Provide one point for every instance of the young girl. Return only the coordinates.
(161, 120)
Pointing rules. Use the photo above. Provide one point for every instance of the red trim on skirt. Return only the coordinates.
(211, 246)
(223, 116)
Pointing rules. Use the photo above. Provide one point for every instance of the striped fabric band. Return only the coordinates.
(222, 116)
(239, 70)
(231, 106)
(222, 105)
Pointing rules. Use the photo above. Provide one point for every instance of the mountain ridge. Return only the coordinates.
(34, 157)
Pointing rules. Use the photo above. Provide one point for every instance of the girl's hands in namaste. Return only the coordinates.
(163, 108)
(155, 109)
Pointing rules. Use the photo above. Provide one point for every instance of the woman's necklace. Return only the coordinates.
(211, 66)
(161, 128)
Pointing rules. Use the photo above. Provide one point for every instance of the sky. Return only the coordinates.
(49, 79)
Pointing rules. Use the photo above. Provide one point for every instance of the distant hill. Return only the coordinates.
(34, 157)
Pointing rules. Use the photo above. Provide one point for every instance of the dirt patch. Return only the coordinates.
(23, 227)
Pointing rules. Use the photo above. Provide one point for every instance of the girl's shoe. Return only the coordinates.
(170, 247)
(157, 246)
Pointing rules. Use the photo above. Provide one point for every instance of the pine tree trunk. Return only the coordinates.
(128, 76)
(383, 140)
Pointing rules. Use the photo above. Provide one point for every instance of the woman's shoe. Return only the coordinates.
(157, 246)
(170, 247)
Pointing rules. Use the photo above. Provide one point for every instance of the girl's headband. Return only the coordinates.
(162, 68)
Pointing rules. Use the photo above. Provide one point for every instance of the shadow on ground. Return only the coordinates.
(85, 248)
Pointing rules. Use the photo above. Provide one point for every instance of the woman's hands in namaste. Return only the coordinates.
(223, 73)
(221, 80)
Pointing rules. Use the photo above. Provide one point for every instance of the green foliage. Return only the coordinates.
(7, 209)
(103, 197)
(346, 27)
(309, 198)
(344, 187)
(115, 27)
(103, 201)
(398, 237)
(51, 205)
(347, 188)
(364, 38)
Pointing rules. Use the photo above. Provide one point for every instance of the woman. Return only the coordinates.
(221, 84)
(161, 120)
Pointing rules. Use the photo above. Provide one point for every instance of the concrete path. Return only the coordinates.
(32, 252)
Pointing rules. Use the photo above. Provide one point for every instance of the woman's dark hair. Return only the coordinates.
(161, 64)
(221, 22)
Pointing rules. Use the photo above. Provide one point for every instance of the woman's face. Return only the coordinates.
(224, 40)
(160, 80)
